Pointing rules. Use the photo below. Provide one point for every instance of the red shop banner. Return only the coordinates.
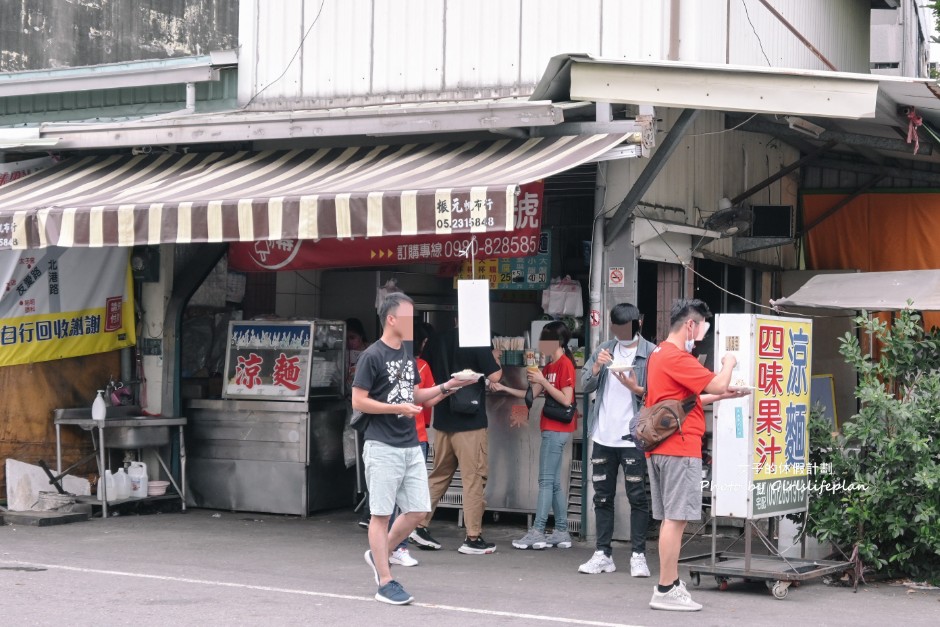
(522, 241)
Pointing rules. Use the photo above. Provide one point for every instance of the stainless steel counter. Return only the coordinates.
(269, 456)
(124, 427)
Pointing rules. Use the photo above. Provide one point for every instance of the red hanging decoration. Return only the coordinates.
(913, 121)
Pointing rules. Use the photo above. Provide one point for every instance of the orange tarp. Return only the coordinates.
(875, 232)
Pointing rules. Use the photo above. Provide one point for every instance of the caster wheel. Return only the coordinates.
(695, 578)
(496, 517)
(780, 590)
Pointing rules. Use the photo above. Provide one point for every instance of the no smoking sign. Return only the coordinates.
(615, 276)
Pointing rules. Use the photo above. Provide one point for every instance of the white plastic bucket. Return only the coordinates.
(137, 472)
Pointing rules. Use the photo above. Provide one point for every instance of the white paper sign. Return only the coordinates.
(473, 312)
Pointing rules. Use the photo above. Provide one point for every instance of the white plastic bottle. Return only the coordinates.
(99, 407)
(122, 484)
(137, 472)
(107, 479)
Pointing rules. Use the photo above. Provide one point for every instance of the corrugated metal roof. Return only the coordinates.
(117, 104)
(372, 51)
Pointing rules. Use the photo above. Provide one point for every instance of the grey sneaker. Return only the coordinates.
(638, 566)
(559, 539)
(677, 599)
(393, 594)
(371, 562)
(599, 563)
(534, 539)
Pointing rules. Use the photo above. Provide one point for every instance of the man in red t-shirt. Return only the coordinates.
(675, 466)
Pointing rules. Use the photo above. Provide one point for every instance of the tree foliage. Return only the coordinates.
(891, 446)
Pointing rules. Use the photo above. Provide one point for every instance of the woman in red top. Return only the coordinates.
(556, 380)
(423, 332)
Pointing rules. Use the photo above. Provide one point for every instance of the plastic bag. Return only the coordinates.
(563, 298)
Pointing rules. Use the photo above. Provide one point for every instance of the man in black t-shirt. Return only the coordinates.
(384, 388)
(460, 440)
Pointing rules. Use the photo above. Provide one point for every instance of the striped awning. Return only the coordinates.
(371, 191)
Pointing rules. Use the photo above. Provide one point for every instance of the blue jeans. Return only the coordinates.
(551, 495)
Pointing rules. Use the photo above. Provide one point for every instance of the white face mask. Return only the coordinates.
(632, 340)
(690, 343)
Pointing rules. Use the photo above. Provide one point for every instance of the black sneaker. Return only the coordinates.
(422, 537)
(363, 523)
(477, 547)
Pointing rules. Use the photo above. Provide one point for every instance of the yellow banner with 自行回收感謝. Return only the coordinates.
(64, 302)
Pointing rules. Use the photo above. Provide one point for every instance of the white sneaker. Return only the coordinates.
(638, 567)
(599, 563)
(678, 600)
(402, 557)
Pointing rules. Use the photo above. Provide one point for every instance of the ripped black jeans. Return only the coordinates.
(606, 462)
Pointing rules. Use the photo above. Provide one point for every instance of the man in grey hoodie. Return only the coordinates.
(617, 372)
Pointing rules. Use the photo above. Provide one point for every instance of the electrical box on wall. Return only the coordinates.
(151, 346)
(145, 263)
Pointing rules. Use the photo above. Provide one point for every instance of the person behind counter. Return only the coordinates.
(557, 381)
(356, 342)
(384, 391)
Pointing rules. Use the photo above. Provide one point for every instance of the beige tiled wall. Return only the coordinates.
(298, 294)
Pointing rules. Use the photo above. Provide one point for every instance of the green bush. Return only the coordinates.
(891, 447)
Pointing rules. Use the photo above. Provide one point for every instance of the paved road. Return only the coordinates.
(211, 568)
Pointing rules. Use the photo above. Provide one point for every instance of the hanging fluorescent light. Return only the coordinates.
(24, 137)
(804, 126)
(624, 151)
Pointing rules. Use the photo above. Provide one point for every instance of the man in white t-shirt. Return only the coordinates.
(617, 372)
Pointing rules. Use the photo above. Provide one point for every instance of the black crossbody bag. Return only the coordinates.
(556, 411)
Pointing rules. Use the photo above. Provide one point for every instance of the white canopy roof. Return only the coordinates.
(873, 291)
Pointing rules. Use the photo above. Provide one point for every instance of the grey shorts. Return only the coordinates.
(396, 476)
(676, 487)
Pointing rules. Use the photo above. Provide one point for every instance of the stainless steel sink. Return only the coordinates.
(139, 435)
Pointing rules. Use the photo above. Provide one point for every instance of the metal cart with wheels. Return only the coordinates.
(777, 571)
(760, 466)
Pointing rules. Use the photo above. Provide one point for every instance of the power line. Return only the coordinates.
(293, 57)
(759, 42)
